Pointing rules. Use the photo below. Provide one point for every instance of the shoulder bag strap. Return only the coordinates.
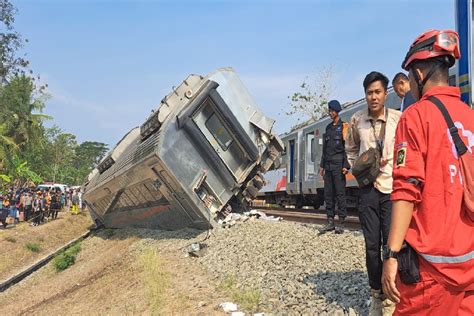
(453, 130)
(379, 141)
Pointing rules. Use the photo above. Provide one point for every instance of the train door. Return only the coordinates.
(293, 167)
(318, 151)
(309, 157)
(308, 161)
(221, 137)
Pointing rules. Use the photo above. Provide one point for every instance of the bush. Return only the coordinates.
(33, 247)
(66, 258)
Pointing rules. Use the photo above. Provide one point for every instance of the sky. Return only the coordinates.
(108, 63)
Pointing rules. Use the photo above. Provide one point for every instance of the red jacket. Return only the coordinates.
(426, 172)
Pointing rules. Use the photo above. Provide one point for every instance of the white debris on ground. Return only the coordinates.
(228, 307)
(234, 218)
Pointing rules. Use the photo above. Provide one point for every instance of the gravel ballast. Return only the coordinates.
(295, 270)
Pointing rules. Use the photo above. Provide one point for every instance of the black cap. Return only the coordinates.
(334, 105)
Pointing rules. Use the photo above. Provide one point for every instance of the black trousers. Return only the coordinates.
(375, 215)
(37, 217)
(54, 213)
(335, 189)
(27, 212)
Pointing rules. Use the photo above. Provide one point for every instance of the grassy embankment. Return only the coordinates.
(22, 245)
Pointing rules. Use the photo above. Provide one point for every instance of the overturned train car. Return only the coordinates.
(198, 156)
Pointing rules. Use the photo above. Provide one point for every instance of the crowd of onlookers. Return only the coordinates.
(36, 206)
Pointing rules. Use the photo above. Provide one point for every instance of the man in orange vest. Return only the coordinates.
(436, 263)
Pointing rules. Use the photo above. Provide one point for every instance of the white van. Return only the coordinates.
(54, 186)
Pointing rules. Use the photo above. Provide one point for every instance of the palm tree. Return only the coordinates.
(23, 110)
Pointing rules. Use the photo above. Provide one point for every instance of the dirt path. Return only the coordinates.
(118, 272)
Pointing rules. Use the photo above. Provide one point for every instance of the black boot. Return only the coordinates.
(341, 226)
(328, 227)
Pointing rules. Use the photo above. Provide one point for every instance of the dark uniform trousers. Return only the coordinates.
(375, 215)
(334, 190)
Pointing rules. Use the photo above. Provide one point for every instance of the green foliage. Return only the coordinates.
(310, 101)
(33, 247)
(66, 258)
(10, 42)
(29, 152)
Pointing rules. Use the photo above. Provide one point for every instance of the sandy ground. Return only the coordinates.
(108, 279)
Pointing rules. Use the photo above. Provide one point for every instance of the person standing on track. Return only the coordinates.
(433, 211)
(374, 127)
(333, 168)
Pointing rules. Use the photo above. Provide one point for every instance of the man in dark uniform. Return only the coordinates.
(333, 168)
(401, 86)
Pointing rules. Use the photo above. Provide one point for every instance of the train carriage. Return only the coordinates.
(298, 166)
(301, 158)
(199, 155)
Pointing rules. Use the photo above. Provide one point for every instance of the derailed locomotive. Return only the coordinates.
(199, 155)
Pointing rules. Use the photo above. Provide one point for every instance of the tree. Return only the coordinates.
(10, 43)
(21, 108)
(21, 119)
(89, 154)
(311, 100)
(61, 155)
(29, 152)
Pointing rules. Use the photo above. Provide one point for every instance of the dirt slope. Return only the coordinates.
(14, 254)
(120, 272)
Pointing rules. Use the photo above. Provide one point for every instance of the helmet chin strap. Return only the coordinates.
(421, 83)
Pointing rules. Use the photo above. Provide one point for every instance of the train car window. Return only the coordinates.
(311, 147)
(219, 132)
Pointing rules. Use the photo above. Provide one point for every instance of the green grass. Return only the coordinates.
(155, 278)
(248, 298)
(67, 258)
(33, 247)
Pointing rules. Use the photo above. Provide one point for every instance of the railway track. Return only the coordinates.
(310, 216)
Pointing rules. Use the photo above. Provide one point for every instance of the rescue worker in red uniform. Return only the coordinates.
(428, 211)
